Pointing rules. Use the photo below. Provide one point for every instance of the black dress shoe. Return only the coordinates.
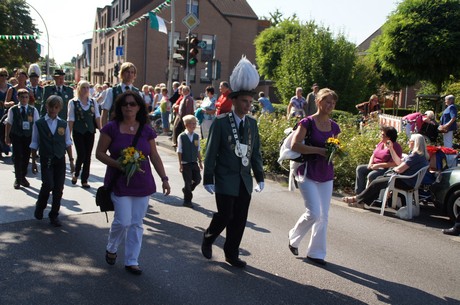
(24, 182)
(38, 214)
(188, 204)
(294, 250)
(236, 262)
(454, 231)
(110, 258)
(134, 270)
(16, 184)
(55, 222)
(206, 248)
(318, 261)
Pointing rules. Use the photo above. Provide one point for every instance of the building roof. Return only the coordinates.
(234, 8)
(366, 44)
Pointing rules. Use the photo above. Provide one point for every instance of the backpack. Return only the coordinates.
(285, 145)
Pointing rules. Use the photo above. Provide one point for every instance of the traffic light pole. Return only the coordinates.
(187, 69)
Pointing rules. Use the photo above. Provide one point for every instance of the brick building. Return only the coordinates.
(228, 28)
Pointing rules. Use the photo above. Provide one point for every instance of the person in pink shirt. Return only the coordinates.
(386, 154)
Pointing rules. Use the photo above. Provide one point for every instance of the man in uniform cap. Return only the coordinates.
(233, 150)
(60, 89)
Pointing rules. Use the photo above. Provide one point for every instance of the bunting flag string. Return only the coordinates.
(136, 21)
(19, 37)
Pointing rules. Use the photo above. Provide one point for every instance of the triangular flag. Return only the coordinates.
(157, 23)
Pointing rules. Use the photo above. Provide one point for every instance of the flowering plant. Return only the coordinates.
(130, 161)
(333, 148)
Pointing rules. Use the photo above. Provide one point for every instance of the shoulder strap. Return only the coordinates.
(138, 134)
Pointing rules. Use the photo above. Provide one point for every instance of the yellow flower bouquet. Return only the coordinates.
(334, 148)
(130, 161)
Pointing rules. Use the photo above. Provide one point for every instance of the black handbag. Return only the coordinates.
(103, 199)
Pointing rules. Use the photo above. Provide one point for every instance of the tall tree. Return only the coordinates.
(298, 54)
(420, 41)
(15, 20)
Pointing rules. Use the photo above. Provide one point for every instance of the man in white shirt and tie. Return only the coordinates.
(127, 75)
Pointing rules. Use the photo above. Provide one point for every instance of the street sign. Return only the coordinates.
(191, 21)
(202, 44)
(119, 51)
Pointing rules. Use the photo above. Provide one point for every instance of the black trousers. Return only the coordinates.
(84, 146)
(372, 192)
(232, 213)
(21, 155)
(53, 176)
(192, 177)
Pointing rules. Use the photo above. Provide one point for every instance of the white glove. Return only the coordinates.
(210, 188)
(260, 187)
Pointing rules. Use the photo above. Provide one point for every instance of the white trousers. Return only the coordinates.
(448, 139)
(127, 225)
(317, 199)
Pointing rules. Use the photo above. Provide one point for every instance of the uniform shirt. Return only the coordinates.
(52, 124)
(108, 101)
(10, 117)
(179, 142)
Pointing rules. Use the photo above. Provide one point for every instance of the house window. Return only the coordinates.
(175, 74)
(203, 78)
(191, 75)
(193, 5)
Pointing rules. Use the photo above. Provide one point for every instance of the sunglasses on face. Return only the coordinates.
(131, 104)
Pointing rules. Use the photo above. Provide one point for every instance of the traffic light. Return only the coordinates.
(44, 69)
(193, 47)
(116, 70)
(208, 70)
(181, 53)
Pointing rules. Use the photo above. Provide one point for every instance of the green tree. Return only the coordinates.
(15, 20)
(316, 55)
(420, 41)
(271, 43)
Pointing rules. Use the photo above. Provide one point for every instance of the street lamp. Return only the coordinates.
(48, 40)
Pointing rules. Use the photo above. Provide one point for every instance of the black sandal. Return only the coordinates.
(74, 180)
(134, 269)
(110, 258)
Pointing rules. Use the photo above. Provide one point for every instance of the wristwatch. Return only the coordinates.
(165, 178)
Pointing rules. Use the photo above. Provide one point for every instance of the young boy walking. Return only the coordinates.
(188, 151)
(18, 132)
(51, 136)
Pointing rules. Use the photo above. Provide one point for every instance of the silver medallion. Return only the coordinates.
(245, 161)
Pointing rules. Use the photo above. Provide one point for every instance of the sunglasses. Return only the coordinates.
(5, 75)
(130, 104)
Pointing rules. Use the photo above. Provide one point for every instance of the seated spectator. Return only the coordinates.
(416, 160)
(387, 154)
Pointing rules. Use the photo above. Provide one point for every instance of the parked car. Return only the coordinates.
(446, 192)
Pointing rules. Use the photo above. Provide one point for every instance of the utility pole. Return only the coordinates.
(48, 39)
(171, 46)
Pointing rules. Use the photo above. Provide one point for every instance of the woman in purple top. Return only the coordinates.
(316, 184)
(129, 199)
(387, 154)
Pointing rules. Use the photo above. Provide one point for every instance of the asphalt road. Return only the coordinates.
(371, 259)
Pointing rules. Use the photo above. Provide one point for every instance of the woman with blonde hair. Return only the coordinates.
(315, 177)
(83, 117)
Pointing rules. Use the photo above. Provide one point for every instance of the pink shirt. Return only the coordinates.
(382, 153)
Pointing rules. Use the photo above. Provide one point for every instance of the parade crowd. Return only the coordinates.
(43, 123)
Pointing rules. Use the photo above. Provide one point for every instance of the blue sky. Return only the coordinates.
(70, 22)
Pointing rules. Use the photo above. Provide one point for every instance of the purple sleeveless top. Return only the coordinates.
(140, 184)
(318, 168)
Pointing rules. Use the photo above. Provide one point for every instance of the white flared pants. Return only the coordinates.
(127, 225)
(317, 199)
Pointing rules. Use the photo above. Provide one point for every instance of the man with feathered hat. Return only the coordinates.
(233, 149)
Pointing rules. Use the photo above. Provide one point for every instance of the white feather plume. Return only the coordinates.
(244, 76)
(34, 68)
